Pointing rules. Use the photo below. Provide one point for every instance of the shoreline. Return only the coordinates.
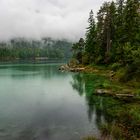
(128, 91)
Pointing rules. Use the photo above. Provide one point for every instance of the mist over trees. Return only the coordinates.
(114, 39)
(21, 48)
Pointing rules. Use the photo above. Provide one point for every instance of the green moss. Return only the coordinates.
(121, 119)
(115, 66)
(112, 131)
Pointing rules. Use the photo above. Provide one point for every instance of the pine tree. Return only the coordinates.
(90, 42)
(118, 43)
(132, 22)
(106, 30)
(110, 28)
(78, 49)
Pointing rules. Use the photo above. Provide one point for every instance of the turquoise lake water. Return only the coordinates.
(39, 102)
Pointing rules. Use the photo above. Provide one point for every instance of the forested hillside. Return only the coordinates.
(113, 38)
(21, 48)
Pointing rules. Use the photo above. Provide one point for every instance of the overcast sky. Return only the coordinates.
(62, 19)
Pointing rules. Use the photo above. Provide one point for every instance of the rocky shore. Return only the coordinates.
(70, 68)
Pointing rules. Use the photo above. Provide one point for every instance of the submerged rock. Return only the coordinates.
(103, 92)
(64, 68)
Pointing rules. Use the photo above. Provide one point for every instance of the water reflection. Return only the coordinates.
(37, 102)
(78, 83)
(101, 107)
(31, 70)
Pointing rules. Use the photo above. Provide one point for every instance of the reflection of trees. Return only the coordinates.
(86, 84)
(26, 134)
(78, 83)
(29, 70)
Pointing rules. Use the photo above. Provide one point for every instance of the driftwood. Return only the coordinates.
(124, 95)
(76, 69)
(72, 69)
(104, 92)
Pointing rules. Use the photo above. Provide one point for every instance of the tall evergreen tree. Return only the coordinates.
(78, 49)
(90, 41)
(106, 29)
(132, 22)
(118, 43)
(110, 28)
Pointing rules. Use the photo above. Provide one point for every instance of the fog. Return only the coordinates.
(59, 19)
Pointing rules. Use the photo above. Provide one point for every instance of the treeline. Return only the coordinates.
(114, 38)
(21, 48)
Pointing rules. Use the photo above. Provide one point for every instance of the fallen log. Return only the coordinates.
(124, 95)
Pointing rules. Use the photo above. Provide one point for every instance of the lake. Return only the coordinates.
(39, 102)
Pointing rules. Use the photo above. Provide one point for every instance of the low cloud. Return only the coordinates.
(59, 19)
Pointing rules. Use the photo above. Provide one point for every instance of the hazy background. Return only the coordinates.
(59, 19)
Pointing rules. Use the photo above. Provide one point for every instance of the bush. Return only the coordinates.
(115, 66)
(121, 74)
(85, 59)
(73, 62)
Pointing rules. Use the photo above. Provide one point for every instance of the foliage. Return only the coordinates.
(78, 49)
(116, 120)
(115, 38)
(114, 41)
(115, 66)
(29, 49)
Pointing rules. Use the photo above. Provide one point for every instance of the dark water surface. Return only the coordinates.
(38, 102)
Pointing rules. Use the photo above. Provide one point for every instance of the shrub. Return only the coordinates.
(85, 59)
(115, 66)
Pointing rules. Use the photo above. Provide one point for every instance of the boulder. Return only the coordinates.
(103, 92)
